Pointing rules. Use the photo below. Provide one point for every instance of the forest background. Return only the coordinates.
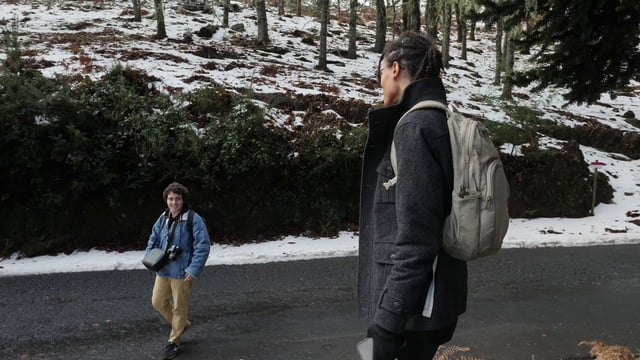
(91, 142)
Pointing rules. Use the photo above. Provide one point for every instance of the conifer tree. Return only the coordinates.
(446, 33)
(353, 22)
(226, 5)
(324, 24)
(431, 17)
(413, 7)
(589, 46)
(506, 15)
(137, 11)
(263, 32)
(381, 26)
(161, 33)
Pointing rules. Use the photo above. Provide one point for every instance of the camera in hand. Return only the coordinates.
(174, 251)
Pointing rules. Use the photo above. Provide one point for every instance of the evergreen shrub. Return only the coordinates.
(328, 164)
(552, 183)
(83, 166)
(245, 174)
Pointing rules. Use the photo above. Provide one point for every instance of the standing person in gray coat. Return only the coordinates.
(409, 289)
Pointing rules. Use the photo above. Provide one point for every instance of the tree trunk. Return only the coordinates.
(225, 13)
(137, 11)
(281, 7)
(458, 20)
(463, 28)
(446, 34)
(263, 36)
(431, 17)
(298, 7)
(505, 44)
(353, 21)
(406, 20)
(324, 23)
(498, 72)
(472, 30)
(414, 15)
(381, 26)
(509, 59)
(526, 47)
(162, 31)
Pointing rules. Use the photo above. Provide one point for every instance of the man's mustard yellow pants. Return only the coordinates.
(171, 299)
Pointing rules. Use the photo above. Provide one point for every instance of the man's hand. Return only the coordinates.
(189, 277)
(386, 345)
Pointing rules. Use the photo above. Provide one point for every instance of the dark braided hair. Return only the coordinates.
(416, 52)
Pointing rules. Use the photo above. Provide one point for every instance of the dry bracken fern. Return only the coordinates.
(602, 351)
(450, 352)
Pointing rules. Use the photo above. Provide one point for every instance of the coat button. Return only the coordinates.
(392, 256)
(397, 306)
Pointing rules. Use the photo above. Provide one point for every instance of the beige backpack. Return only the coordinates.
(479, 216)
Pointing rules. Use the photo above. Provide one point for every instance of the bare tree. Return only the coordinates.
(263, 35)
(353, 21)
(324, 23)
(298, 7)
(162, 31)
(137, 11)
(381, 26)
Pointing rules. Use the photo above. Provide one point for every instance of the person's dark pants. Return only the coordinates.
(422, 345)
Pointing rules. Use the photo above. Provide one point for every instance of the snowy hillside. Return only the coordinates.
(88, 38)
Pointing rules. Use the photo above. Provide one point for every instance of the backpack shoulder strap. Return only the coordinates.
(190, 223)
(426, 104)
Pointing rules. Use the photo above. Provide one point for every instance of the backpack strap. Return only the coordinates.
(190, 223)
(426, 104)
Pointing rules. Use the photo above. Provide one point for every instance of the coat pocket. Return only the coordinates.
(385, 173)
(384, 252)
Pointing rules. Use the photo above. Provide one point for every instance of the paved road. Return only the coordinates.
(524, 304)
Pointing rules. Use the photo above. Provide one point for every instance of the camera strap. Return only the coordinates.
(172, 231)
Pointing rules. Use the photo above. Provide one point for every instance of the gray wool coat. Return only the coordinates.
(405, 279)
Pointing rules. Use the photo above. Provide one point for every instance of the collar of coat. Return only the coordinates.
(183, 216)
(419, 90)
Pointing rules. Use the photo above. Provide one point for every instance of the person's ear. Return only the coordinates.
(396, 68)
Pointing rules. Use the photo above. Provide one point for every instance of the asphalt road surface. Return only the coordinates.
(528, 304)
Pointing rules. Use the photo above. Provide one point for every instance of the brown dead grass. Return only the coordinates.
(602, 351)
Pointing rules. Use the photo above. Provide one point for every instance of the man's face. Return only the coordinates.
(175, 203)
